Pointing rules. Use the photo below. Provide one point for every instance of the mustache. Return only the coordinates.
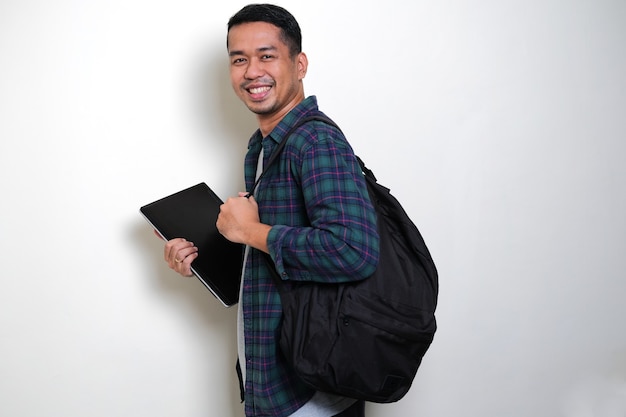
(266, 81)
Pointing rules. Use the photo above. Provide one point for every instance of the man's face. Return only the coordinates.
(262, 72)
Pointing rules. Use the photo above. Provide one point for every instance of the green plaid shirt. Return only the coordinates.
(324, 229)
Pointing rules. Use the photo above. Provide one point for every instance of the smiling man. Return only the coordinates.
(311, 213)
(265, 72)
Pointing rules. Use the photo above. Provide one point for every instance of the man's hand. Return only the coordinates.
(179, 254)
(239, 222)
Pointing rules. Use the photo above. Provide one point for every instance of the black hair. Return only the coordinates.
(275, 15)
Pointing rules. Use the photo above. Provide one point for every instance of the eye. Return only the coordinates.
(237, 61)
(267, 57)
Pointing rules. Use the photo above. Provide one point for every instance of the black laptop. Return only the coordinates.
(191, 214)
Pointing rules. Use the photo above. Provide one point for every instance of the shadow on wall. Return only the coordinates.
(226, 125)
(232, 113)
(226, 122)
(219, 111)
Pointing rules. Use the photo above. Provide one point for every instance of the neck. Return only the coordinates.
(267, 122)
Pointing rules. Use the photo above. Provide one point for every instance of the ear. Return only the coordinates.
(303, 63)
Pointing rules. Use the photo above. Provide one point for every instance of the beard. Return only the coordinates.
(261, 109)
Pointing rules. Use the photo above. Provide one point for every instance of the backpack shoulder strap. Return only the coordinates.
(281, 145)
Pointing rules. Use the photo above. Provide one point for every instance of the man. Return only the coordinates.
(311, 213)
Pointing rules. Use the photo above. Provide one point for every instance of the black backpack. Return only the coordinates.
(364, 339)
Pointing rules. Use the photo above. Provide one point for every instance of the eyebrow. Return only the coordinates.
(261, 49)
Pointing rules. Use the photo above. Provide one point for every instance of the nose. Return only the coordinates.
(254, 69)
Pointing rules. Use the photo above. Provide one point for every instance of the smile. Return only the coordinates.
(259, 90)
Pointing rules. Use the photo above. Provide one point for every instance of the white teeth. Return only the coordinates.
(259, 90)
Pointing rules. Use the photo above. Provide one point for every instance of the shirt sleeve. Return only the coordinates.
(341, 242)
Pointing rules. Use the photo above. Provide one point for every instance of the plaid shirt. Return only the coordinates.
(323, 229)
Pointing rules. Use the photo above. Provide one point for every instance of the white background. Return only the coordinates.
(499, 124)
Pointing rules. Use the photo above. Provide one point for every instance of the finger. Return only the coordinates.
(185, 266)
(172, 248)
(182, 255)
(167, 249)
